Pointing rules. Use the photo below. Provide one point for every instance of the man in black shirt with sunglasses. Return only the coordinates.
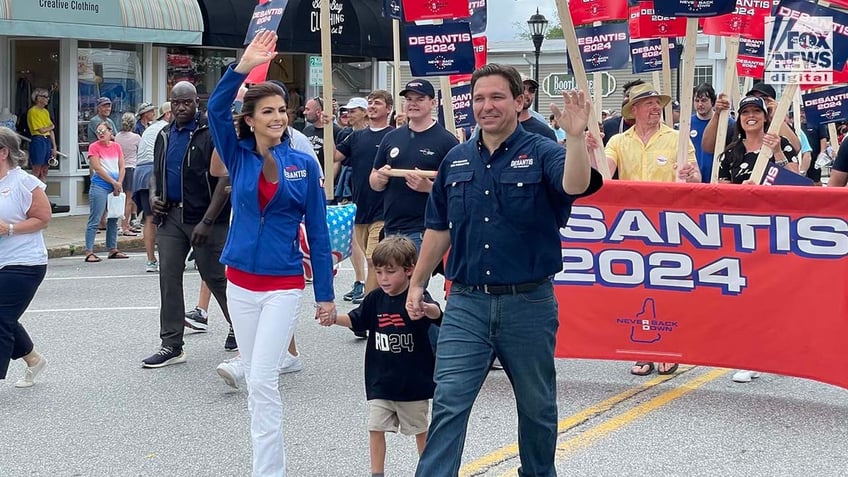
(314, 130)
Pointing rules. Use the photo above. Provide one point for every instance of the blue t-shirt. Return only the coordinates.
(360, 148)
(178, 141)
(403, 208)
(705, 160)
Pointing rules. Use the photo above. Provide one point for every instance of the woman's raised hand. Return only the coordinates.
(259, 51)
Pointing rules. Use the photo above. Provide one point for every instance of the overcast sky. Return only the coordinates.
(503, 13)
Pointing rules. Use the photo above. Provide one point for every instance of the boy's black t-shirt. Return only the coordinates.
(360, 148)
(403, 208)
(399, 361)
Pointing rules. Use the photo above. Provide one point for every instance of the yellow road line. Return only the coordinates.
(510, 451)
(590, 436)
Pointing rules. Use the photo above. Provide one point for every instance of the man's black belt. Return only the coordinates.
(509, 289)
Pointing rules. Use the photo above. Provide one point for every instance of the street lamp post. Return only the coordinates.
(538, 25)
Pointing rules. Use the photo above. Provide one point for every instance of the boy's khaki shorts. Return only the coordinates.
(410, 417)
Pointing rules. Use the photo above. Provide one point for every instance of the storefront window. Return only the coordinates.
(107, 70)
(200, 66)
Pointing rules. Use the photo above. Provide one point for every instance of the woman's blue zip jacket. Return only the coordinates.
(266, 242)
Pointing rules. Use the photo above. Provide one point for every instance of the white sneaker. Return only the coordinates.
(231, 372)
(31, 373)
(744, 376)
(153, 267)
(291, 364)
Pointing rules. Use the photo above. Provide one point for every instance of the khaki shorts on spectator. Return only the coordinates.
(410, 417)
(368, 236)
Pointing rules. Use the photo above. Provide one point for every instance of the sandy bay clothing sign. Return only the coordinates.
(436, 50)
(690, 273)
(157, 21)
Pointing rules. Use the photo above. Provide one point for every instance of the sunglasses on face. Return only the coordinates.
(101, 132)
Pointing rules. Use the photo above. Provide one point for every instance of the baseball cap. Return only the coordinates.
(420, 86)
(753, 101)
(144, 108)
(103, 100)
(165, 108)
(763, 88)
(527, 79)
(354, 103)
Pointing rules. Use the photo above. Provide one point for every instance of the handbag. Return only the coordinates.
(115, 205)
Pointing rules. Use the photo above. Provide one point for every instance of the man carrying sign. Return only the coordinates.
(420, 144)
(492, 194)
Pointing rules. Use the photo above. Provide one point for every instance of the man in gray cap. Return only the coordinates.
(104, 109)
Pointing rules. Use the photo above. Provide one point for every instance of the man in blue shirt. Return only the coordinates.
(193, 210)
(498, 203)
(703, 102)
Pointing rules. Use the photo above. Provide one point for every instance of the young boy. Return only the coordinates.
(399, 360)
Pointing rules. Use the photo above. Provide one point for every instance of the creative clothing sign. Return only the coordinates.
(590, 11)
(604, 47)
(653, 25)
(747, 20)
(480, 58)
(827, 106)
(392, 9)
(646, 55)
(666, 272)
(479, 16)
(463, 113)
(266, 16)
(436, 50)
(694, 8)
(416, 10)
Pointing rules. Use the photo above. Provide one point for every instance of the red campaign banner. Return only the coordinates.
(635, 32)
(589, 11)
(481, 48)
(415, 10)
(750, 66)
(708, 274)
(839, 3)
(839, 77)
(652, 25)
(747, 21)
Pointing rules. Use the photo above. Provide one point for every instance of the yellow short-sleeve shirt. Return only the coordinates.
(38, 118)
(654, 161)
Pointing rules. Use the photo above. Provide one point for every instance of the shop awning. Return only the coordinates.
(133, 21)
(359, 28)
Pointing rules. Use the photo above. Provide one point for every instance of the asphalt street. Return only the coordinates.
(96, 412)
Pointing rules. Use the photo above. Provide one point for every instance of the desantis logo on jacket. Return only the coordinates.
(293, 173)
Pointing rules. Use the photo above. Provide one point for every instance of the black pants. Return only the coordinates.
(18, 285)
(173, 239)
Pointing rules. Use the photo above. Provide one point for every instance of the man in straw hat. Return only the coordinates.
(647, 151)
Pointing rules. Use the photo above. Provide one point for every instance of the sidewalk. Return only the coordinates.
(65, 236)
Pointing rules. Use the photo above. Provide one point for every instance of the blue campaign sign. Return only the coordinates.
(478, 16)
(751, 47)
(828, 106)
(604, 47)
(392, 9)
(694, 8)
(646, 55)
(776, 175)
(436, 50)
(463, 113)
(266, 16)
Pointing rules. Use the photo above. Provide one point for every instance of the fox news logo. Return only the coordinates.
(800, 49)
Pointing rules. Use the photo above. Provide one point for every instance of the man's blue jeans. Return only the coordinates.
(521, 331)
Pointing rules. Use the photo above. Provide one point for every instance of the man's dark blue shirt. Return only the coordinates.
(178, 140)
(499, 209)
(359, 149)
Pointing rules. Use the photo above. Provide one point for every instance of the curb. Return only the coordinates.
(77, 248)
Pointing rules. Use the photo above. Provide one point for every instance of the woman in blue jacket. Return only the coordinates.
(274, 187)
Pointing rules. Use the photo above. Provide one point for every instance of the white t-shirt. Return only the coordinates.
(148, 140)
(15, 200)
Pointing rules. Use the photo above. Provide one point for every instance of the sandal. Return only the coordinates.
(129, 233)
(668, 371)
(642, 364)
(118, 254)
(92, 258)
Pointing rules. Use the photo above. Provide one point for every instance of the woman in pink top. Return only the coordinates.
(107, 162)
(128, 140)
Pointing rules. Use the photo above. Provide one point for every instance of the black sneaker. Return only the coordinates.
(197, 319)
(230, 344)
(166, 356)
(363, 335)
(357, 291)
